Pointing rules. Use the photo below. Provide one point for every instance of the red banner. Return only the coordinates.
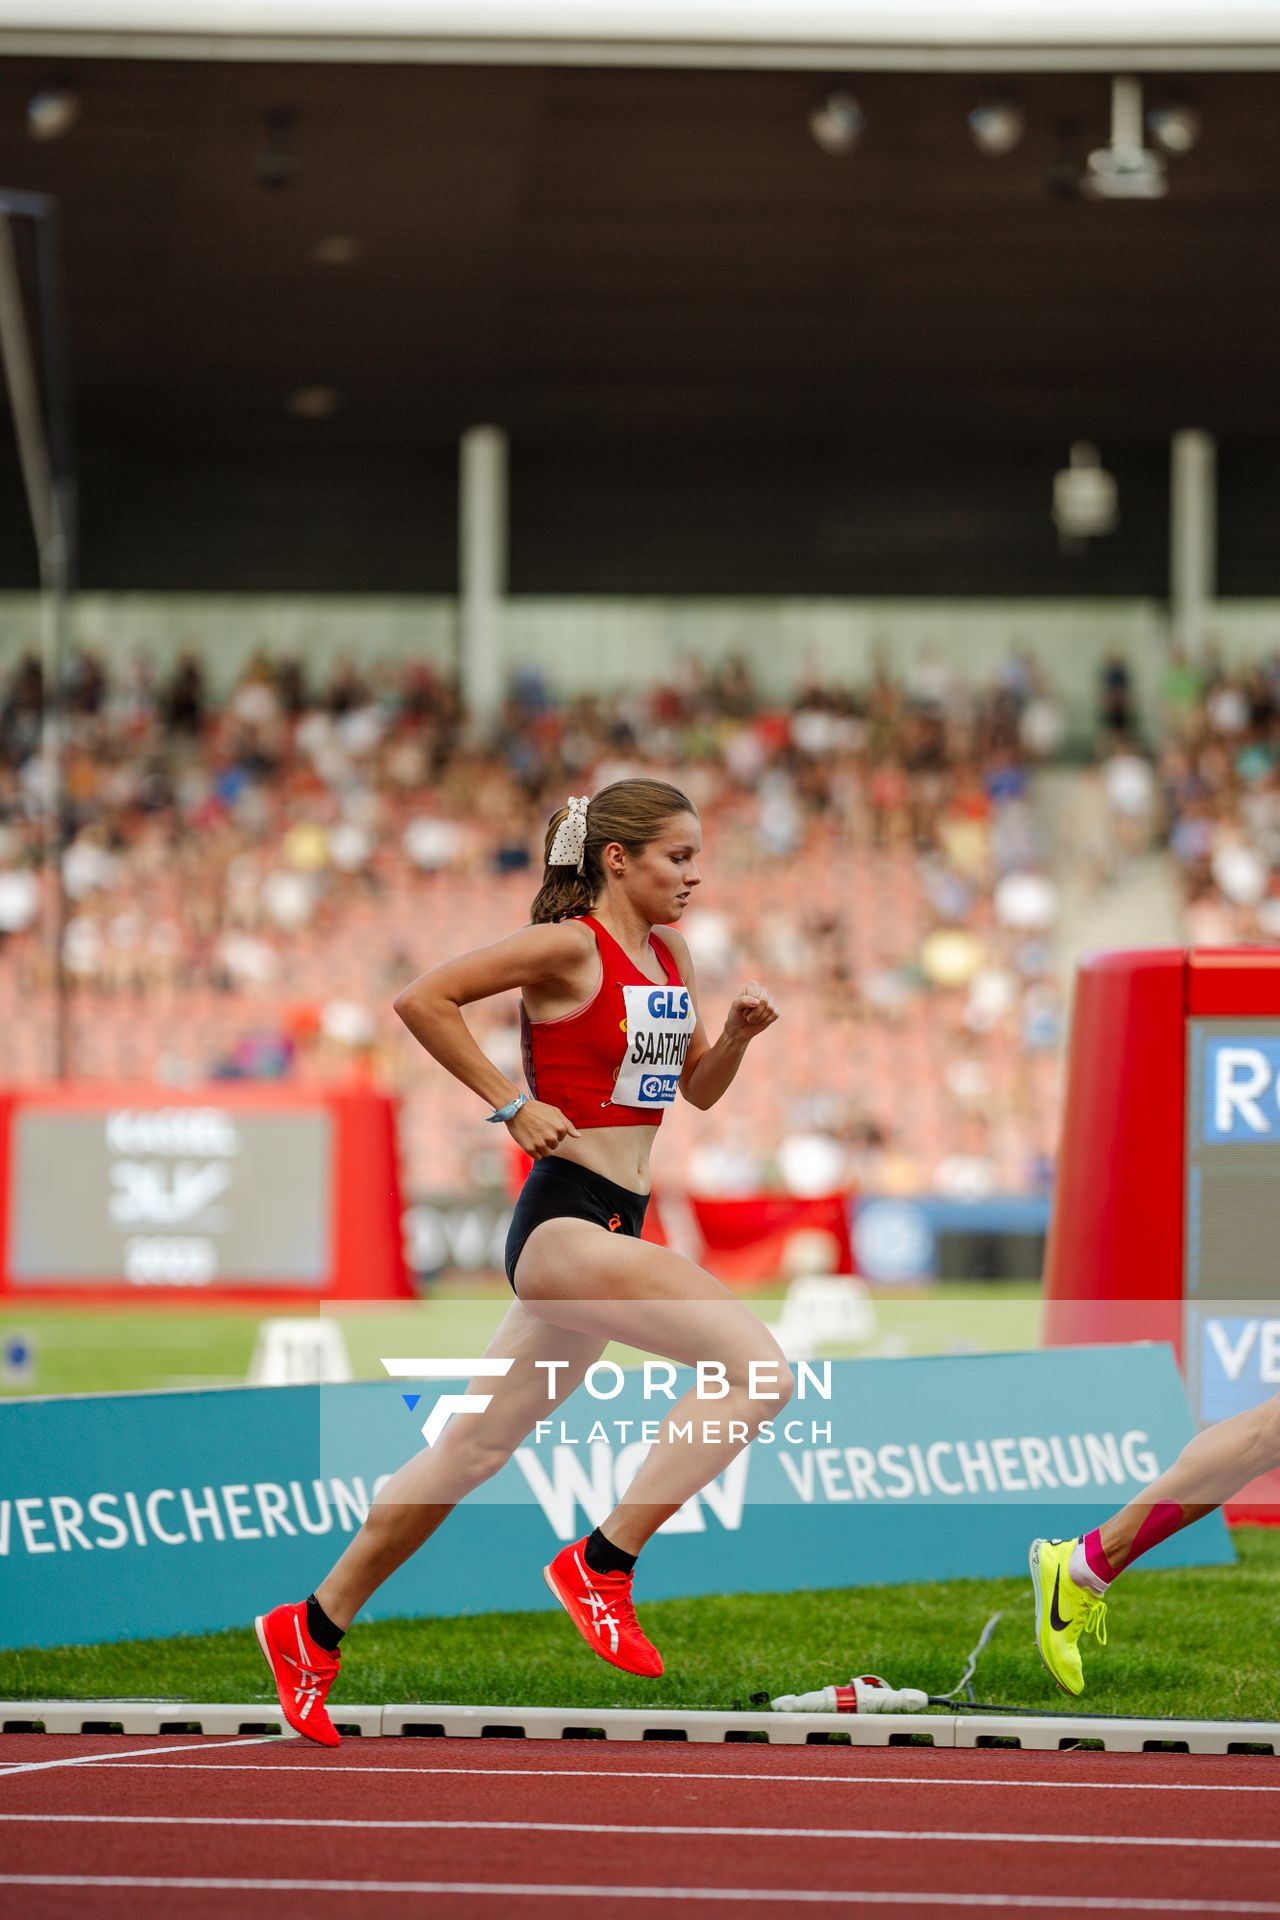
(747, 1240)
(752, 1239)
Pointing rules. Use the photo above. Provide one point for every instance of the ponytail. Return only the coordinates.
(565, 892)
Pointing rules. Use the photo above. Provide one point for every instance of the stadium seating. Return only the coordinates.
(214, 930)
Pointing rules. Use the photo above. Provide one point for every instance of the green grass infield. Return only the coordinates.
(99, 1349)
(1195, 1643)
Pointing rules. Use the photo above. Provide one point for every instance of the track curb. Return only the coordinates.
(1034, 1732)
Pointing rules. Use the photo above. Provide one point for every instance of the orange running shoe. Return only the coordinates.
(303, 1672)
(599, 1605)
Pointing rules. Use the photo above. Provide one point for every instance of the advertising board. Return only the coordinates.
(140, 1515)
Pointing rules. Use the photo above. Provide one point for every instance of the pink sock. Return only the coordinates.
(1089, 1566)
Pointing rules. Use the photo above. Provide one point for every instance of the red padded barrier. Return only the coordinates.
(1114, 1261)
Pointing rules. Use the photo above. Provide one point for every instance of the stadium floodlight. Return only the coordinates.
(51, 113)
(1176, 127)
(1125, 170)
(315, 403)
(1085, 497)
(42, 425)
(337, 250)
(837, 124)
(997, 127)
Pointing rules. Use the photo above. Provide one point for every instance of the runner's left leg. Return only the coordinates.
(652, 1299)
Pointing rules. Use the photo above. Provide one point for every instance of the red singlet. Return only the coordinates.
(617, 1061)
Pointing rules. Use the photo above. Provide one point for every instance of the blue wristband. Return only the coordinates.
(511, 1109)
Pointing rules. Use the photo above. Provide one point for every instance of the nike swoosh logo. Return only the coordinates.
(1056, 1620)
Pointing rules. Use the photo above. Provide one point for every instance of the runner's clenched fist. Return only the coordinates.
(752, 1011)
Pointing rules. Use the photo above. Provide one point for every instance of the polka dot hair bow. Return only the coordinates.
(570, 844)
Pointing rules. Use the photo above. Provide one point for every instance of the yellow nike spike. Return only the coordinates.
(1064, 1611)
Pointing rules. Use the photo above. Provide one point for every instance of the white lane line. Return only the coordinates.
(720, 1779)
(130, 1753)
(967, 1836)
(843, 1896)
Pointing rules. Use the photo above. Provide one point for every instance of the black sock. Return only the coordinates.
(321, 1627)
(603, 1557)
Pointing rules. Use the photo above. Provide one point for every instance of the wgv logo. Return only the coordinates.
(1242, 1092)
(596, 1482)
(447, 1404)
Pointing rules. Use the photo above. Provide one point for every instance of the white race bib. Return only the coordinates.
(660, 1024)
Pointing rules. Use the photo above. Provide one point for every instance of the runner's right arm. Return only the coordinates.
(431, 1007)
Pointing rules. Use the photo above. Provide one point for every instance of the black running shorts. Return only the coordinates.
(561, 1189)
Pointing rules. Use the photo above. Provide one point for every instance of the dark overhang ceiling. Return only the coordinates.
(728, 361)
(586, 253)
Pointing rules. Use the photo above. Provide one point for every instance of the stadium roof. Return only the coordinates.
(293, 285)
(1057, 34)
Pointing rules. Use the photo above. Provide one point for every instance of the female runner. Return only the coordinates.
(611, 1028)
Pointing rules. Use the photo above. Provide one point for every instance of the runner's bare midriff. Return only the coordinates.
(620, 1154)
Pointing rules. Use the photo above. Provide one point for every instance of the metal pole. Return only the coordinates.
(1193, 530)
(60, 573)
(45, 453)
(24, 392)
(482, 570)
(55, 617)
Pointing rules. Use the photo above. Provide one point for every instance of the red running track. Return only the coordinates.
(484, 1829)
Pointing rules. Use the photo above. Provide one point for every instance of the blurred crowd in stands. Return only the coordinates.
(1204, 783)
(1197, 783)
(250, 882)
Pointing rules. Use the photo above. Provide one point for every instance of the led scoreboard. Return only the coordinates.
(1167, 1213)
(1232, 1310)
(233, 1188)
